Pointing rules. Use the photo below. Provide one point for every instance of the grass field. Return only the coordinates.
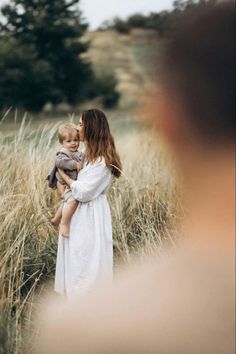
(145, 202)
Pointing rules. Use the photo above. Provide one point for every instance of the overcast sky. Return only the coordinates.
(97, 11)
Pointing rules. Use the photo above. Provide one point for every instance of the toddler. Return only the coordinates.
(69, 159)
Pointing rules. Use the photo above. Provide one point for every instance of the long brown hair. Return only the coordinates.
(100, 142)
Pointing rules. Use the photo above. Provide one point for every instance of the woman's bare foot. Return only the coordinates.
(64, 230)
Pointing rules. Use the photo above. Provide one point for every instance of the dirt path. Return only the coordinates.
(126, 55)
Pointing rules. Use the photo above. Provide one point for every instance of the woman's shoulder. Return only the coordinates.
(99, 165)
(100, 161)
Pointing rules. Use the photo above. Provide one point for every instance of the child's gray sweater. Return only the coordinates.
(65, 160)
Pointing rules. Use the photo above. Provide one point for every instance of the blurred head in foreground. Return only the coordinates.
(199, 76)
(195, 112)
(183, 303)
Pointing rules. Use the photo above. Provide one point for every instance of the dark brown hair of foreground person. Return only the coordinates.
(199, 68)
(100, 141)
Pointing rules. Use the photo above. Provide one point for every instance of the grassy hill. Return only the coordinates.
(129, 56)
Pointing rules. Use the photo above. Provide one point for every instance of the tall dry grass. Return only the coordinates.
(144, 204)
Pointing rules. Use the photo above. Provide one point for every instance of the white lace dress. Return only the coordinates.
(86, 257)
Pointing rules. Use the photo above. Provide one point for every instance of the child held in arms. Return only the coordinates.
(70, 160)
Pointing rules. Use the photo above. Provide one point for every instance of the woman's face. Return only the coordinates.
(80, 129)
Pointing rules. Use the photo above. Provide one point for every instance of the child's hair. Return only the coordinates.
(66, 131)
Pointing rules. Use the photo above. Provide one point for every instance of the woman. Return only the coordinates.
(86, 256)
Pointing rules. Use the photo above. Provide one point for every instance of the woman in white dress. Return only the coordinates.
(86, 257)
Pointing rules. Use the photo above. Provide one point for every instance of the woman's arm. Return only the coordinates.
(66, 178)
(89, 186)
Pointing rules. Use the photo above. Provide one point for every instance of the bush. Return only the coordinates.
(105, 86)
(137, 20)
(121, 25)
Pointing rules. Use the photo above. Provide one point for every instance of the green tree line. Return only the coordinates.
(162, 22)
(41, 56)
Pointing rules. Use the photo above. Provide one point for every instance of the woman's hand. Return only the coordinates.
(66, 178)
(79, 166)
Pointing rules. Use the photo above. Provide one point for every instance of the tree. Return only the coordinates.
(25, 81)
(137, 20)
(40, 55)
(185, 5)
(120, 25)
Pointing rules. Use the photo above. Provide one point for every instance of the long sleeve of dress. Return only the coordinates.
(92, 181)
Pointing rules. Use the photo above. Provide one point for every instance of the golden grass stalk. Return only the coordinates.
(144, 204)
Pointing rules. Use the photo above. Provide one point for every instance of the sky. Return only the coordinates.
(97, 11)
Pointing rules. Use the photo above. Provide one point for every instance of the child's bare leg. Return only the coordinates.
(67, 212)
(60, 189)
(57, 217)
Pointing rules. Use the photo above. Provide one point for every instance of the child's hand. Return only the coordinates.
(79, 166)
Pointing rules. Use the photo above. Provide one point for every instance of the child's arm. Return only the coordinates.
(65, 163)
(66, 178)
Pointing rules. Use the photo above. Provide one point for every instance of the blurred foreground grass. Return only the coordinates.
(145, 207)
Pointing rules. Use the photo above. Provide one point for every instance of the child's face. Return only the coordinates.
(71, 142)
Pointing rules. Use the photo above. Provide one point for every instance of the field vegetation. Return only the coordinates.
(145, 202)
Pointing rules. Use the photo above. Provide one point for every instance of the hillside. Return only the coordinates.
(129, 56)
